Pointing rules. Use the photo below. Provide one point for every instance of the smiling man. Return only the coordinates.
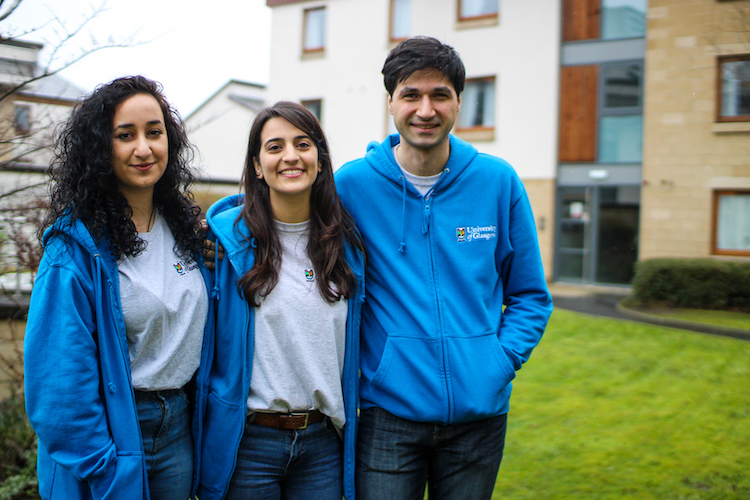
(450, 241)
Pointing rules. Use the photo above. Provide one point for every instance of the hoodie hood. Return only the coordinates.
(380, 156)
(231, 233)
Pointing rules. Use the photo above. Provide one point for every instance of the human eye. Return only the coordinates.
(156, 132)
(304, 144)
(124, 136)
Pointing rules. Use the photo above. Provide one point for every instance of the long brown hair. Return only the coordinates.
(331, 226)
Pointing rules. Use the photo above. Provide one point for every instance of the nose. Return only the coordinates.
(290, 155)
(142, 147)
(425, 110)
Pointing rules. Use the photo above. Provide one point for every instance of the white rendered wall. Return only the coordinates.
(521, 51)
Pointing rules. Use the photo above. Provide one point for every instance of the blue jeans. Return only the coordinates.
(303, 464)
(396, 457)
(167, 443)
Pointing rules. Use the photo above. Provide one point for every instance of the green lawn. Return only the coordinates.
(609, 409)
(720, 318)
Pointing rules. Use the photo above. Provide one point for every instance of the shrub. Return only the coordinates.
(692, 283)
(18, 479)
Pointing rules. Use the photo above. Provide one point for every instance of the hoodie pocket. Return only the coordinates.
(222, 428)
(408, 381)
(479, 374)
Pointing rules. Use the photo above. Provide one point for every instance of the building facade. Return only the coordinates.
(696, 159)
(627, 120)
(328, 54)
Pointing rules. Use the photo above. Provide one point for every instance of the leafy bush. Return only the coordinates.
(17, 452)
(692, 283)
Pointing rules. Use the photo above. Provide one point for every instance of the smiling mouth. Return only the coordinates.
(296, 171)
(143, 166)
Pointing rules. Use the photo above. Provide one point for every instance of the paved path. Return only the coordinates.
(604, 301)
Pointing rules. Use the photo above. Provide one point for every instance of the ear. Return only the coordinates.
(390, 104)
(258, 171)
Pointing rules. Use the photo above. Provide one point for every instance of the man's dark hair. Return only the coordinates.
(422, 52)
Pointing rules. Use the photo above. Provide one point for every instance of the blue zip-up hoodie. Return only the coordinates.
(225, 380)
(436, 344)
(79, 394)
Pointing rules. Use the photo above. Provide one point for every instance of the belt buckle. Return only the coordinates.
(301, 414)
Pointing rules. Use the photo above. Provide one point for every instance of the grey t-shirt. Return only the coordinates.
(165, 303)
(298, 357)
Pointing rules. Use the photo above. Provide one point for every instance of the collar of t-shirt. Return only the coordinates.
(422, 183)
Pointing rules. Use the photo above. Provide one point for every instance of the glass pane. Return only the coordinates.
(733, 222)
(621, 139)
(571, 234)
(622, 85)
(400, 18)
(623, 19)
(475, 8)
(571, 266)
(315, 29)
(735, 89)
(315, 107)
(617, 248)
(477, 104)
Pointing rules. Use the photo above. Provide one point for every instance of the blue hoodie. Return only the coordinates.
(224, 382)
(79, 394)
(436, 343)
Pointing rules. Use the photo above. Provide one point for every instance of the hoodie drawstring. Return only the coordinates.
(402, 247)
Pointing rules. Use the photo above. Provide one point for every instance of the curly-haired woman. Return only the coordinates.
(120, 305)
(282, 384)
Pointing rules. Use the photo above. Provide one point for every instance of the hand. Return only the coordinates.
(210, 250)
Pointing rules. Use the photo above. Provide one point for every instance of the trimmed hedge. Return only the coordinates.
(692, 283)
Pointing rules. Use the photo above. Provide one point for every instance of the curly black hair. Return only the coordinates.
(85, 187)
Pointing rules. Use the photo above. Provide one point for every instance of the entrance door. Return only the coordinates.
(597, 234)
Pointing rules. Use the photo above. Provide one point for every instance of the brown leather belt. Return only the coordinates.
(291, 421)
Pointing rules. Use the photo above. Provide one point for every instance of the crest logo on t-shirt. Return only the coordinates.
(461, 233)
(178, 267)
(309, 275)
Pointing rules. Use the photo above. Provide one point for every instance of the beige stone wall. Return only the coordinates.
(686, 154)
(542, 197)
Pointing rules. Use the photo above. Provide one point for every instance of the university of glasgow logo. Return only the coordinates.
(461, 233)
(178, 267)
(309, 275)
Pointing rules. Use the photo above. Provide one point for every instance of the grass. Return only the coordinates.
(609, 409)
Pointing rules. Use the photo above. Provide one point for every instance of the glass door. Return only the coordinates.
(573, 235)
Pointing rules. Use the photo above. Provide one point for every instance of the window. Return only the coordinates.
(470, 9)
(731, 223)
(734, 89)
(315, 106)
(478, 104)
(315, 30)
(621, 113)
(623, 19)
(22, 119)
(400, 19)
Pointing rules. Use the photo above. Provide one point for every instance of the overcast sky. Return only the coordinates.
(196, 48)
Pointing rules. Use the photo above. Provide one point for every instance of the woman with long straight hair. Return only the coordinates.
(120, 306)
(282, 388)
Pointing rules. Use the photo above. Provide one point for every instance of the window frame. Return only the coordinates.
(305, 18)
(604, 112)
(391, 24)
(21, 130)
(717, 194)
(480, 17)
(720, 60)
(319, 102)
(491, 78)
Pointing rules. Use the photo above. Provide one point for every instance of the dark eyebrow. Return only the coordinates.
(296, 139)
(131, 125)
(407, 90)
